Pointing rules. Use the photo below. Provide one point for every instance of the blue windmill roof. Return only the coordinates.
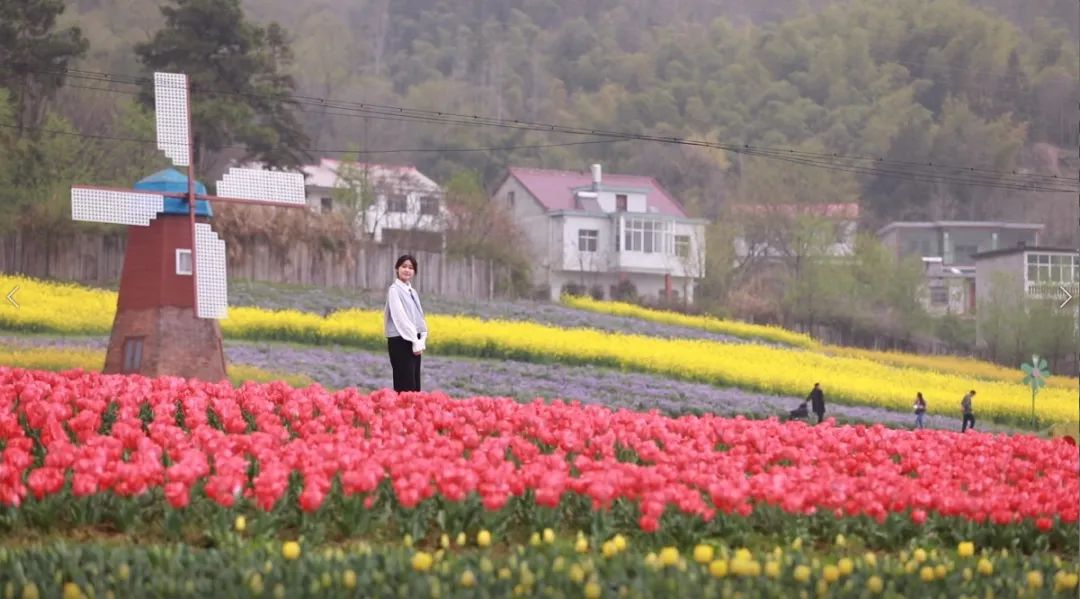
(172, 180)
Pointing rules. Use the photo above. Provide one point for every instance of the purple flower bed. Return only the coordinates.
(524, 381)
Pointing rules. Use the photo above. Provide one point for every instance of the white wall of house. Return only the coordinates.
(667, 234)
(534, 223)
(647, 285)
(423, 210)
(404, 198)
(986, 269)
(1039, 274)
(946, 295)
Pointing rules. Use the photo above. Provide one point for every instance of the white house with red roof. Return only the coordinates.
(403, 205)
(596, 231)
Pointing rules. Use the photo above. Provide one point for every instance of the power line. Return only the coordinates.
(325, 150)
(975, 175)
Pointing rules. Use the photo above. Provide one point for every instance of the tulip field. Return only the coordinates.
(270, 490)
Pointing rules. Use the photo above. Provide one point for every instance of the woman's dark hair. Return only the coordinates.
(406, 257)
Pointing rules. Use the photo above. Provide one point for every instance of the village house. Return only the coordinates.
(392, 204)
(948, 250)
(604, 233)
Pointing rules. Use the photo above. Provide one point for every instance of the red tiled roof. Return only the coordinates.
(848, 210)
(554, 189)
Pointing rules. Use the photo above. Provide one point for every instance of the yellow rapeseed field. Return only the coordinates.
(59, 359)
(787, 371)
(735, 328)
(968, 367)
(56, 307)
(959, 365)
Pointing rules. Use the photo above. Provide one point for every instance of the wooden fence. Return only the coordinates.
(98, 258)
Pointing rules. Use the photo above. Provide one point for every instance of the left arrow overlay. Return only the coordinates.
(11, 296)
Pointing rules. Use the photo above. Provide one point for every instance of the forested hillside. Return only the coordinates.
(943, 81)
(899, 105)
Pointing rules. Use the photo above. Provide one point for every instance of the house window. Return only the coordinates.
(587, 240)
(620, 202)
(682, 246)
(962, 254)
(397, 203)
(183, 262)
(133, 347)
(648, 236)
(326, 205)
(939, 296)
(429, 205)
(510, 198)
(1053, 268)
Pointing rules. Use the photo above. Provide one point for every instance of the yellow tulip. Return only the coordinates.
(422, 561)
(1035, 579)
(703, 553)
(290, 550)
(845, 565)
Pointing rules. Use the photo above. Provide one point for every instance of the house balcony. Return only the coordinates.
(1051, 290)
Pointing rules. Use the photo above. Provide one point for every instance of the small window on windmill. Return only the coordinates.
(133, 347)
(183, 262)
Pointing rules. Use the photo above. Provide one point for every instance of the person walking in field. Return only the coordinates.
(920, 410)
(969, 413)
(817, 401)
(406, 329)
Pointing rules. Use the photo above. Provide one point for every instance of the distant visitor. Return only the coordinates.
(969, 413)
(406, 329)
(920, 410)
(817, 401)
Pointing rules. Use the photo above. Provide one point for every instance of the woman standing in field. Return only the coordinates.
(406, 330)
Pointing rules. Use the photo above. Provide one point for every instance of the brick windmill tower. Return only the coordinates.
(173, 285)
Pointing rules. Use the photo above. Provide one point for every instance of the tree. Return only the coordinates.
(239, 90)
(478, 227)
(33, 56)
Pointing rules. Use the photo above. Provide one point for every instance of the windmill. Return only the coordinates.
(173, 286)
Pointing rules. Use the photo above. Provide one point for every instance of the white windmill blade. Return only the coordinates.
(212, 298)
(171, 111)
(117, 207)
(276, 187)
